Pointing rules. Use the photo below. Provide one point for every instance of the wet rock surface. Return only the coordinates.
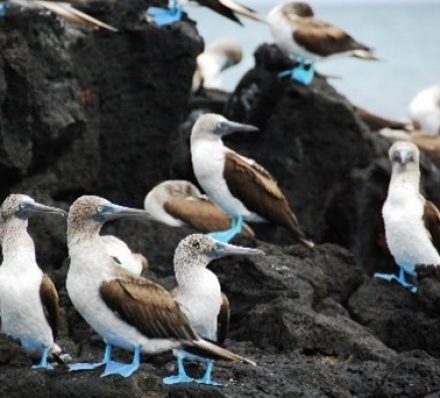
(110, 114)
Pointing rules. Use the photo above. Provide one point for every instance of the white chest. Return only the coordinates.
(201, 303)
(406, 235)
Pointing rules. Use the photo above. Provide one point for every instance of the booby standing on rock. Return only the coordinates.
(179, 203)
(199, 294)
(308, 40)
(227, 8)
(424, 110)
(128, 311)
(239, 185)
(29, 304)
(60, 8)
(412, 224)
(217, 57)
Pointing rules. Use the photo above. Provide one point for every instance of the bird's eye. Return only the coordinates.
(21, 206)
(196, 245)
(100, 209)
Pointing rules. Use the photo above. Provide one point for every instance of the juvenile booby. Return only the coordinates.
(217, 57)
(412, 223)
(424, 110)
(179, 203)
(199, 293)
(239, 185)
(29, 304)
(118, 249)
(128, 311)
(227, 8)
(307, 39)
(63, 10)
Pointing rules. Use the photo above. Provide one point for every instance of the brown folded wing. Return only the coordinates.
(147, 306)
(431, 218)
(51, 304)
(223, 320)
(259, 192)
(325, 39)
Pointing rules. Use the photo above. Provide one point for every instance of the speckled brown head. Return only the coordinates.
(88, 213)
(299, 9)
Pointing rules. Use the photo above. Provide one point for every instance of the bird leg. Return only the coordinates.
(206, 379)
(90, 366)
(401, 279)
(181, 376)
(302, 73)
(123, 369)
(165, 16)
(43, 364)
(227, 235)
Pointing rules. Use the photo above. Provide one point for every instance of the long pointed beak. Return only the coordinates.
(113, 212)
(225, 249)
(228, 127)
(40, 208)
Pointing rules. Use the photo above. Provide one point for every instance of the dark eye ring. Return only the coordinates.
(21, 206)
(99, 209)
(196, 245)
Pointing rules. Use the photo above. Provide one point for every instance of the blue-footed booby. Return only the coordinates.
(178, 203)
(239, 185)
(29, 304)
(126, 310)
(424, 110)
(227, 8)
(217, 57)
(61, 9)
(412, 223)
(307, 39)
(199, 293)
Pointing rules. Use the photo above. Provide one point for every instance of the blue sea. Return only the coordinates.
(405, 35)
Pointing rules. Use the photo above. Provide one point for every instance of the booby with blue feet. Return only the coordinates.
(307, 39)
(29, 304)
(239, 185)
(412, 223)
(60, 8)
(174, 12)
(199, 293)
(126, 310)
(178, 203)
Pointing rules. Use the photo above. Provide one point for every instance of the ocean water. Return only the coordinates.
(406, 36)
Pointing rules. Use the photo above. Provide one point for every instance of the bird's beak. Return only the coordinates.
(221, 249)
(403, 156)
(228, 127)
(113, 212)
(40, 208)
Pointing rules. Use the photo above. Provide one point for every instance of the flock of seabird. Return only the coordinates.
(104, 280)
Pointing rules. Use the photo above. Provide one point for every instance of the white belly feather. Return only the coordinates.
(406, 235)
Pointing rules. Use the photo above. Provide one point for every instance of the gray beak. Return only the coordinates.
(228, 127)
(40, 208)
(113, 212)
(403, 156)
(225, 249)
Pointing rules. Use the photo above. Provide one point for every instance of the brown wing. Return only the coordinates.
(51, 304)
(259, 192)
(325, 39)
(431, 218)
(223, 320)
(147, 306)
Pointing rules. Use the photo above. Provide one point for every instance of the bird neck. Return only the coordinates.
(80, 233)
(189, 268)
(16, 240)
(407, 181)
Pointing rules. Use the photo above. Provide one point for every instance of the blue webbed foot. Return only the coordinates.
(227, 235)
(93, 365)
(181, 376)
(164, 16)
(400, 279)
(302, 73)
(123, 369)
(43, 364)
(206, 379)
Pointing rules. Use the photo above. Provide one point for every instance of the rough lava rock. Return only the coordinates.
(94, 111)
